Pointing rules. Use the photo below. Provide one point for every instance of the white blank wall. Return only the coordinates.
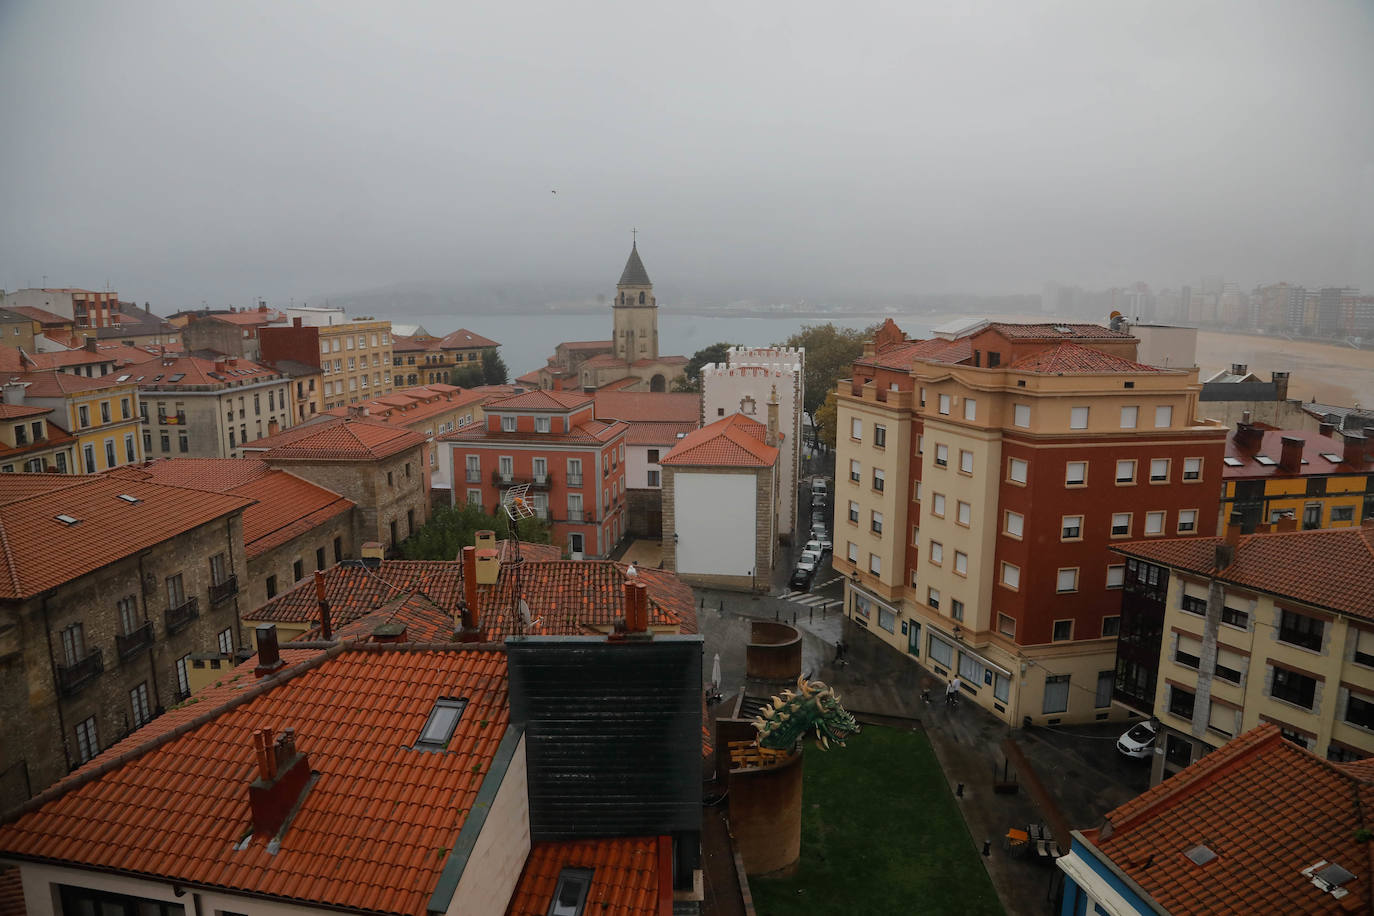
(716, 519)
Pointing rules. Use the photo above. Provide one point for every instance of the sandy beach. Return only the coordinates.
(1331, 373)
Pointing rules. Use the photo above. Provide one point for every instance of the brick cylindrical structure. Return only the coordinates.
(765, 816)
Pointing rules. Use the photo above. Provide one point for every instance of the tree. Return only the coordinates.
(824, 420)
(715, 353)
(469, 375)
(830, 351)
(494, 371)
(451, 528)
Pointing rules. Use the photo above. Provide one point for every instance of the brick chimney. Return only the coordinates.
(296, 321)
(1355, 447)
(1280, 385)
(1290, 458)
(269, 656)
(1287, 522)
(636, 619)
(1247, 438)
(488, 559)
(92, 345)
(1226, 550)
(326, 625)
(771, 437)
(1326, 429)
(283, 778)
(465, 625)
(1239, 368)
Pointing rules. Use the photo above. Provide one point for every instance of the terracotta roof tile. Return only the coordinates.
(604, 361)
(1071, 358)
(197, 372)
(412, 405)
(463, 339)
(592, 432)
(735, 441)
(42, 316)
(542, 400)
(648, 406)
(253, 317)
(337, 439)
(587, 344)
(54, 384)
(658, 433)
(1313, 464)
(1268, 809)
(357, 713)
(625, 874)
(1328, 567)
(19, 411)
(1055, 331)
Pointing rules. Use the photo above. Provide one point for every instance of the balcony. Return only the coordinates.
(223, 591)
(474, 475)
(179, 618)
(533, 481)
(73, 678)
(574, 480)
(577, 515)
(135, 641)
(172, 419)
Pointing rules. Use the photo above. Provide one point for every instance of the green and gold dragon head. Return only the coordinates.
(814, 707)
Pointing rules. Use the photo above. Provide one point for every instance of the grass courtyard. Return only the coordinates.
(880, 834)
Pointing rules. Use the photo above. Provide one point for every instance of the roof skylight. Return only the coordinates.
(443, 719)
(570, 895)
(1232, 462)
(68, 520)
(1265, 460)
(129, 499)
(1332, 457)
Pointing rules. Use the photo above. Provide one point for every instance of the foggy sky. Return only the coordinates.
(214, 151)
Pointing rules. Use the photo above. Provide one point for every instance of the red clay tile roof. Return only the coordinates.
(42, 316)
(574, 597)
(336, 439)
(411, 405)
(463, 339)
(658, 433)
(252, 317)
(1314, 446)
(660, 360)
(647, 406)
(197, 372)
(1051, 331)
(54, 384)
(620, 383)
(109, 528)
(604, 360)
(592, 432)
(542, 400)
(587, 344)
(1073, 358)
(1268, 809)
(19, 411)
(1331, 568)
(372, 834)
(735, 441)
(624, 877)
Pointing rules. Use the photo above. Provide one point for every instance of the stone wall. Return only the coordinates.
(280, 561)
(644, 515)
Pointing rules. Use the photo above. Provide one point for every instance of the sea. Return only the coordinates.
(527, 341)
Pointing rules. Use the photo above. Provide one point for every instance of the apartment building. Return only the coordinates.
(1221, 634)
(231, 333)
(423, 359)
(85, 308)
(431, 411)
(657, 422)
(101, 412)
(983, 475)
(29, 440)
(198, 408)
(354, 355)
(110, 585)
(551, 440)
(1323, 479)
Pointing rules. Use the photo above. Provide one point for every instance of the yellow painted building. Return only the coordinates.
(1322, 481)
(102, 413)
(1283, 634)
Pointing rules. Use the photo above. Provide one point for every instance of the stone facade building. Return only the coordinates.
(198, 408)
(230, 333)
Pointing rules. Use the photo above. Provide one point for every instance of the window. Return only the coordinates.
(1121, 524)
(1021, 415)
(1075, 473)
(1164, 417)
(319, 558)
(73, 644)
(1359, 712)
(1017, 470)
(83, 415)
(1071, 528)
(879, 435)
(1154, 522)
(970, 408)
(1364, 647)
(298, 570)
(1078, 418)
(1116, 577)
(508, 424)
(271, 586)
(1106, 680)
(876, 522)
(875, 564)
(965, 461)
(166, 441)
(853, 512)
(1006, 625)
(1295, 688)
(956, 609)
(88, 452)
(338, 550)
(1111, 626)
(933, 598)
(941, 455)
(1181, 702)
(1342, 513)
(1125, 470)
(961, 562)
(853, 553)
(653, 456)
(937, 505)
(574, 472)
(944, 404)
(964, 514)
(655, 478)
(138, 704)
(87, 743)
(505, 465)
(540, 468)
(439, 727)
(1063, 631)
(879, 479)
(1056, 694)
(474, 497)
(937, 552)
(1015, 524)
(1159, 470)
(1192, 468)
(1066, 580)
(856, 473)
(1188, 652)
(110, 460)
(1011, 575)
(1187, 520)
(1129, 416)
(856, 429)
(1300, 630)
(941, 652)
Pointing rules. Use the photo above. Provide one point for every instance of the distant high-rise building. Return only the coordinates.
(1330, 313)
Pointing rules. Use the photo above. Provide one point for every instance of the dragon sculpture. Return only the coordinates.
(814, 707)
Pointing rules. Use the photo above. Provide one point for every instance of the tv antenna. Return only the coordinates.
(518, 507)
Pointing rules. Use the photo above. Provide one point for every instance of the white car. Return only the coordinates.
(1138, 741)
(815, 546)
(808, 563)
(821, 487)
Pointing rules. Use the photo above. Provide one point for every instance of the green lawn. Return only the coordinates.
(880, 834)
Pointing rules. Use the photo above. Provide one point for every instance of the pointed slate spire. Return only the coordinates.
(634, 273)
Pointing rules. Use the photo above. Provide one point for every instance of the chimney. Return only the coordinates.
(1287, 522)
(1245, 417)
(262, 306)
(283, 778)
(372, 554)
(1280, 386)
(488, 560)
(357, 411)
(273, 427)
(1247, 438)
(771, 437)
(466, 626)
(1326, 429)
(269, 657)
(219, 366)
(92, 345)
(390, 632)
(1353, 452)
(1239, 368)
(232, 362)
(1290, 458)
(296, 322)
(326, 625)
(1226, 551)
(14, 393)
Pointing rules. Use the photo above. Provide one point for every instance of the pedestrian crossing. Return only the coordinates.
(806, 599)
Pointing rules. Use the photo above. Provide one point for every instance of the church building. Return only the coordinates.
(627, 362)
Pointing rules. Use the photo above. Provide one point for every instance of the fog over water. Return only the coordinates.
(216, 151)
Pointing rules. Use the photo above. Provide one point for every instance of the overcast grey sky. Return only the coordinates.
(220, 150)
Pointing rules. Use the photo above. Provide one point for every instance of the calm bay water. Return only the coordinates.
(528, 340)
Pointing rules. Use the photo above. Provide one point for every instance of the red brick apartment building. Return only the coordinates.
(573, 462)
(983, 475)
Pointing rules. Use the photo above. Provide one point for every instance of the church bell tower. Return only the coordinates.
(635, 311)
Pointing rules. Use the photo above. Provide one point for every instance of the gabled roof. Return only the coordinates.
(587, 345)
(372, 834)
(42, 316)
(735, 441)
(107, 528)
(337, 439)
(196, 372)
(407, 406)
(20, 411)
(647, 406)
(1053, 331)
(1268, 809)
(51, 383)
(248, 317)
(625, 873)
(542, 400)
(1328, 567)
(463, 339)
(574, 597)
(634, 273)
(1074, 358)
(604, 361)
(658, 433)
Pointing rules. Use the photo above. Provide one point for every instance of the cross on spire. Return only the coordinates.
(634, 237)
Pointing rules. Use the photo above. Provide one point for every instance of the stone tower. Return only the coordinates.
(636, 312)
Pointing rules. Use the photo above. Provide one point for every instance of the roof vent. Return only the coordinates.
(130, 499)
(1063, 329)
(67, 520)
(1200, 855)
(1329, 877)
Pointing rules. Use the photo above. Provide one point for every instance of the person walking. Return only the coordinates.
(952, 691)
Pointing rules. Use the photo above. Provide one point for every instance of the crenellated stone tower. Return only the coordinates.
(636, 312)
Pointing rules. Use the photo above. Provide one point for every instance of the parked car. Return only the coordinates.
(823, 539)
(818, 501)
(1138, 741)
(821, 487)
(820, 517)
(814, 545)
(801, 578)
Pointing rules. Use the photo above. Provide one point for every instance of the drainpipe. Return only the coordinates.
(56, 685)
(238, 620)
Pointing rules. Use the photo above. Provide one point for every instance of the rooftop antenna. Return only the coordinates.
(516, 502)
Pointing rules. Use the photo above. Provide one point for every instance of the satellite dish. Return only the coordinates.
(517, 503)
(524, 609)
